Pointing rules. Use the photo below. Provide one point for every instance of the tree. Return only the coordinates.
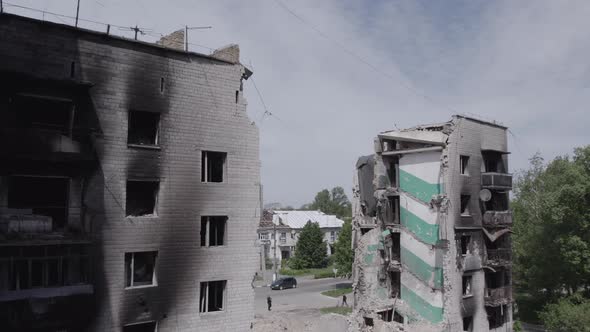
(552, 225)
(344, 255)
(571, 314)
(310, 251)
(331, 202)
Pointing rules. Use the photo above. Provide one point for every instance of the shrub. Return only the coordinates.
(571, 314)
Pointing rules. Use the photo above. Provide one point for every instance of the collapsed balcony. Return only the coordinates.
(497, 219)
(498, 289)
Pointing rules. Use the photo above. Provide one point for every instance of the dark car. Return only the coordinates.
(284, 283)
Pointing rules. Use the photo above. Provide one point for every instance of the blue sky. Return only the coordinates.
(523, 63)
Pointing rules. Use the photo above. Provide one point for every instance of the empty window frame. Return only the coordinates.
(465, 240)
(141, 327)
(140, 268)
(42, 196)
(212, 296)
(213, 166)
(44, 112)
(465, 205)
(386, 315)
(393, 210)
(467, 321)
(393, 172)
(43, 266)
(213, 230)
(498, 202)
(142, 198)
(143, 128)
(332, 236)
(463, 164)
(467, 286)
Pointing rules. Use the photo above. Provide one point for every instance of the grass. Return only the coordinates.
(337, 292)
(336, 310)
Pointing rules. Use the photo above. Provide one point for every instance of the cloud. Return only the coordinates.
(523, 63)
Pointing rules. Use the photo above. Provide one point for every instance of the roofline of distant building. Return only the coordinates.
(485, 122)
(114, 37)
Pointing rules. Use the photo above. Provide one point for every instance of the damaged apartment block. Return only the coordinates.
(431, 230)
(129, 183)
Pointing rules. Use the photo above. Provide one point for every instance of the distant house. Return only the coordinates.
(282, 228)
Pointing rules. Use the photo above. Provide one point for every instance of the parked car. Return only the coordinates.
(284, 283)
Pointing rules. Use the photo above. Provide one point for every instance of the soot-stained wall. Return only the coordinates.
(198, 112)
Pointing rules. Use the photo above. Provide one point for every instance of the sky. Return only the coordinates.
(336, 73)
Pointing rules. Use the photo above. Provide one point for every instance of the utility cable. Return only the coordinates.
(361, 59)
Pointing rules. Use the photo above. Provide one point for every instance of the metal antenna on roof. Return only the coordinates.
(77, 12)
(136, 30)
(186, 29)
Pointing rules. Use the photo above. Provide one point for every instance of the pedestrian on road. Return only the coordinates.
(344, 301)
(269, 302)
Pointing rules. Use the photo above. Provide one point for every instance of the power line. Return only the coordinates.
(361, 59)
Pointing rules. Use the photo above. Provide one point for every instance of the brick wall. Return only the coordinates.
(198, 111)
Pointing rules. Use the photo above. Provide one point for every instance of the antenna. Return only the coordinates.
(77, 12)
(186, 29)
(142, 31)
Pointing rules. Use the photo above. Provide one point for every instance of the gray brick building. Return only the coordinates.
(129, 184)
(431, 229)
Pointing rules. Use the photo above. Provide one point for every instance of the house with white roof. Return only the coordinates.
(285, 226)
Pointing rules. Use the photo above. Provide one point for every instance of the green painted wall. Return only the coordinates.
(421, 269)
(424, 231)
(417, 187)
(422, 307)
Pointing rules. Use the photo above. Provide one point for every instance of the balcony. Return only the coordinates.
(497, 181)
(499, 257)
(498, 296)
(497, 219)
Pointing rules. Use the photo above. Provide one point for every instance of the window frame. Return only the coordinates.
(153, 146)
(467, 288)
(205, 166)
(464, 165)
(154, 213)
(132, 270)
(204, 301)
(206, 235)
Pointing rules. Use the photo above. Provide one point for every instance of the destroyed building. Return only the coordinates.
(431, 230)
(129, 184)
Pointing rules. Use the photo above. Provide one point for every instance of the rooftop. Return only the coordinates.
(298, 219)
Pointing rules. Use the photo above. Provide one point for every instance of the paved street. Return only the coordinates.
(306, 295)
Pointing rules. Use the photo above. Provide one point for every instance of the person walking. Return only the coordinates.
(344, 300)
(269, 302)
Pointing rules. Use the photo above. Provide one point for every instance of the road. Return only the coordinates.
(305, 296)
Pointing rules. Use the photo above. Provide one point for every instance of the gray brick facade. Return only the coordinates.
(201, 108)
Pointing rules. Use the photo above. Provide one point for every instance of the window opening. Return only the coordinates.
(143, 128)
(213, 230)
(465, 205)
(467, 323)
(44, 112)
(140, 268)
(162, 84)
(467, 286)
(212, 296)
(386, 315)
(212, 166)
(464, 162)
(41, 196)
(142, 198)
(465, 240)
